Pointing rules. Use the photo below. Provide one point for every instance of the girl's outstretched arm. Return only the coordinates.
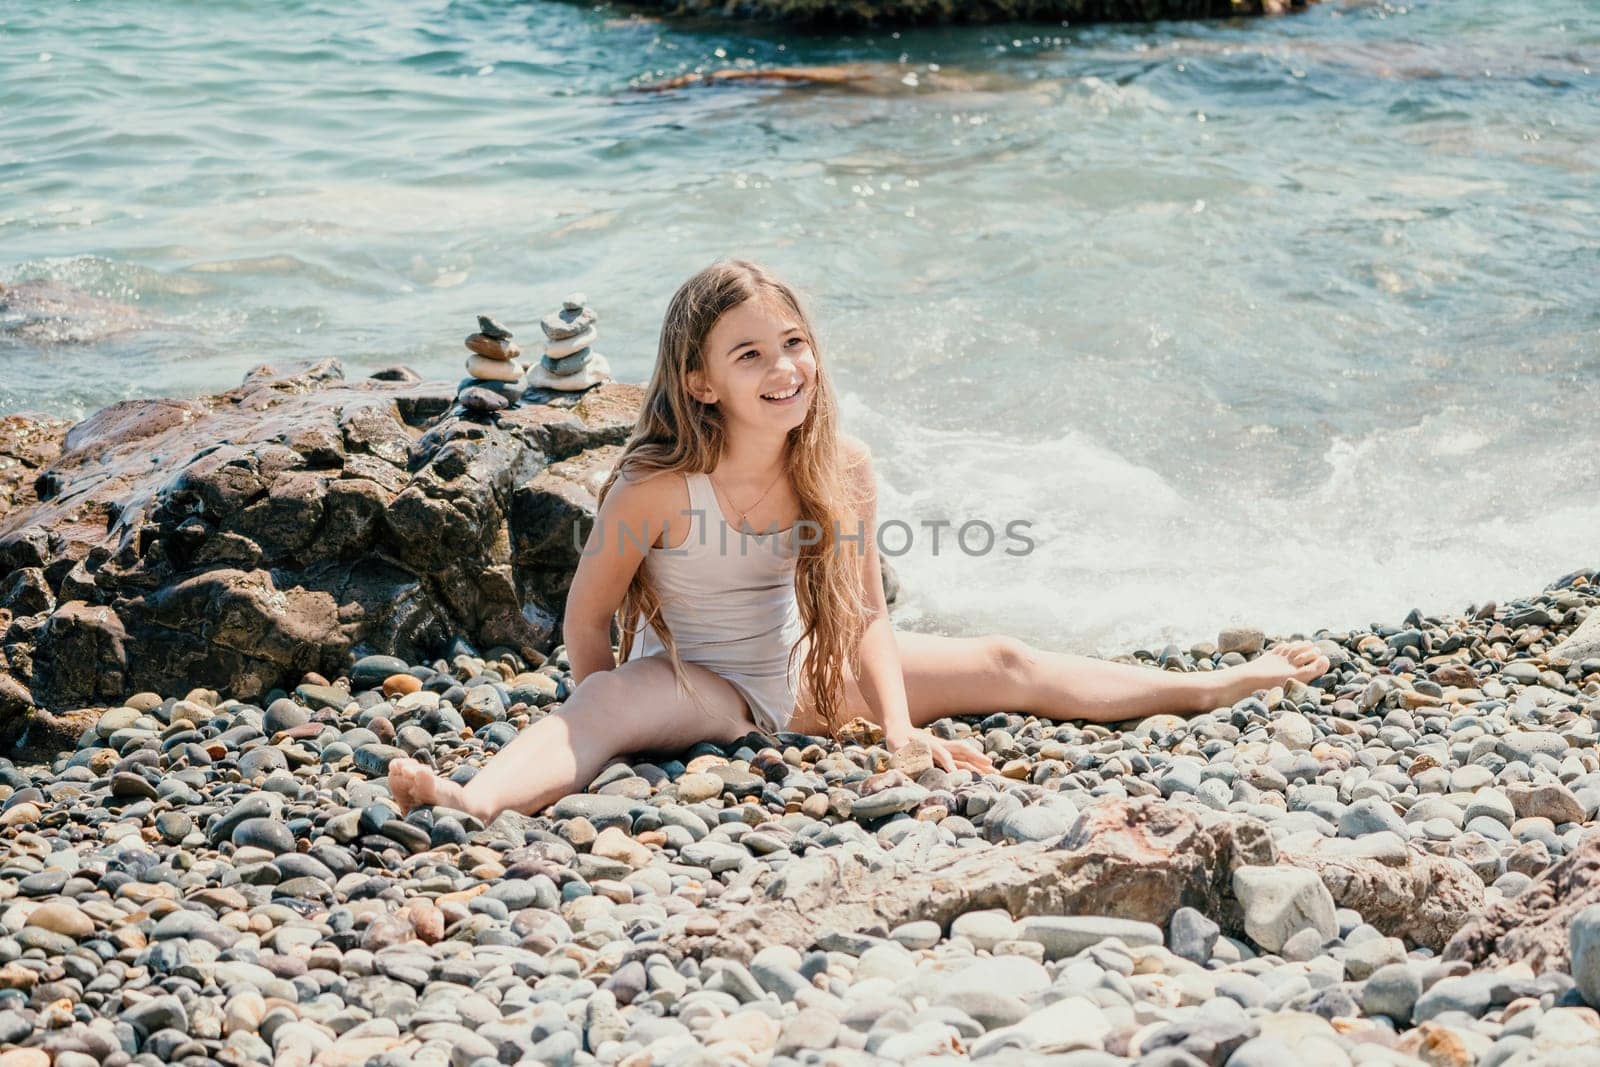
(882, 681)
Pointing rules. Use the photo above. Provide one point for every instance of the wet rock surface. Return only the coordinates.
(203, 879)
(28, 444)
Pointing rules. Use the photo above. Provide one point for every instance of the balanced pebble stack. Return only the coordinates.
(494, 378)
(570, 363)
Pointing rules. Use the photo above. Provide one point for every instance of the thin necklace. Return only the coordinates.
(743, 515)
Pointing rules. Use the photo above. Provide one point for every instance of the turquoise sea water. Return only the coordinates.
(1290, 321)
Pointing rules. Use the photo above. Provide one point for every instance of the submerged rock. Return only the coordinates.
(43, 312)
(887, 12)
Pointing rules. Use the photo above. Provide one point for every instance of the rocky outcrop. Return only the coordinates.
(897, 12)
(1532, 927)
(240, 540)
(1401, 890)
(1137, 859)
(1583, 644)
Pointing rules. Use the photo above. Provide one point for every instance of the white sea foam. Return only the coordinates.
(1124, 559)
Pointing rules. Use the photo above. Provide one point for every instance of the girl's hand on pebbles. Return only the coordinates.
(958, 755)
(948, 755)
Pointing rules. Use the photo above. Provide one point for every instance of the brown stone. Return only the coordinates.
(129, 937)
(1437, 1046)
(579, 832)
(1422, 763)
(41, 312)
(1549, 800)
(1457, 674)
(145, 892)
(20, 814)
(859, 731)
(221, 899)
(694, 787)
(913, 758)
(1243, 640)
(461, 896)
(62, 917)
(400, 684)
(1137, 860)
(877, 783)
(81, 655)
(490, 348)
(614, 843)
(387, 931)
(427, 920)
(16, 976)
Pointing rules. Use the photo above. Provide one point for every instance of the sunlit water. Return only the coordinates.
(1292, 322)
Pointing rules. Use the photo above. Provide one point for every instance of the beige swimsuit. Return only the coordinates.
(728, 598)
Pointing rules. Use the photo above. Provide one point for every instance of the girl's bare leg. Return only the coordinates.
(963, 676)
(635, 707)
(977, 675)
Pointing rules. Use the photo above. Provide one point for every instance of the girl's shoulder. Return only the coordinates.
(650, 490)
(647, 500)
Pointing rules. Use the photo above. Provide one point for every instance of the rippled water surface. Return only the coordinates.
(1292, 321)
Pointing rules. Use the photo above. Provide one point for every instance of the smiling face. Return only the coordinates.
(758, 366)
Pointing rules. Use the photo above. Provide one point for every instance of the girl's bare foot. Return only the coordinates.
(414, 786)
(1299, 660)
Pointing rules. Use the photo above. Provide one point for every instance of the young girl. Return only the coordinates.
(759, 601)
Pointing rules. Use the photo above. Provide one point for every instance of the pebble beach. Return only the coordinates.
(207, 881)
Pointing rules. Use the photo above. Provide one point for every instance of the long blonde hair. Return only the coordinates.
(676, 432)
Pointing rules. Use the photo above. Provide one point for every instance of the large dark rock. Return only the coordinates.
(895, 12)
(293, 524)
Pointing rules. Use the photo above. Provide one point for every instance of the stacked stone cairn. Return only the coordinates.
(570, 363)
(494, 377)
